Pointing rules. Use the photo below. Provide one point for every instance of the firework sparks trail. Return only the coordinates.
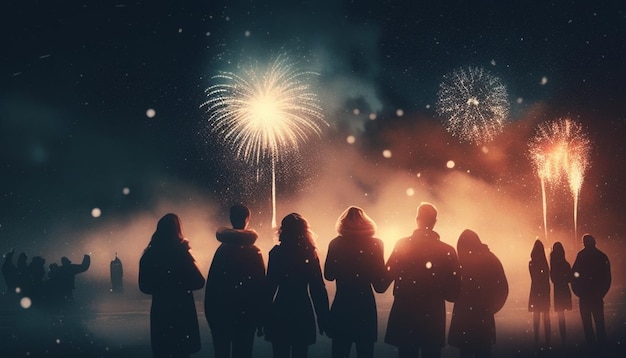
(264, 114)
(560, 151)
(474, 104)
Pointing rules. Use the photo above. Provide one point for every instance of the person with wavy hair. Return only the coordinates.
(561, 276)
(539, 297)
(355, 261)
(168, 272)
(294, 279)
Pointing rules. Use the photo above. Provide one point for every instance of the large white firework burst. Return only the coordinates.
(474, 104)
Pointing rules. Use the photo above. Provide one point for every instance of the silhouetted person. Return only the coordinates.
(10, 273)
(66, 276)
(117, 274)
(36, 271)
(539, 298)
(168, 272)
(294, 278)
(484, 289)
(355, 260)
(425, 272)
(561, 276)
(591, 281)
(232, 299)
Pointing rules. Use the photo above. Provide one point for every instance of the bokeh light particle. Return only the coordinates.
(26, 302)
(150, 113)
(356, 111)
(450, 164)
(387, 153)
(350, 139)
(126, 191)
(372, 116)
(96, 212)
(410, 191)
(399, 112)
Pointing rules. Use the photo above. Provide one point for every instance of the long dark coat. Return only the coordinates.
(561, 276)
(539, 298)
(357, 264)
(235, 282)
(170, 275)
(592, 278)
(484, 289)
(293, 271)
(425, 272)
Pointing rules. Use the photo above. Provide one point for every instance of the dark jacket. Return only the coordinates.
(293, 272)
(592, 274)
(357, 264)
(170, 275)
(561, 276)
(234, 287)
(484, 289)
(425, 272)
(539, 297)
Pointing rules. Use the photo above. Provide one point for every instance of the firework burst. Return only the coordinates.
(474, 104)
(560, 152)
(264, 114)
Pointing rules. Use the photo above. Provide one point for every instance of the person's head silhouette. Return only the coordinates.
(239, 216)
(589, 241)
(426, 216)
(355, 222)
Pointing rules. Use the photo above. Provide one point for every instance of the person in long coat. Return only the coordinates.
(234, 284)
(484, 289)
(168, 272)
(539, 298)
(561, 276)
(591, 282)
(294, 279)
(425, 272)
(355, 260)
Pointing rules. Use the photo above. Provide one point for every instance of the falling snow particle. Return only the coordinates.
(372, 116)
(520, 100)
(96, 212)
(356, 111)
(410, 192)
(544, 80)
(150, 113)
(126, 191)
(387, 153)
(247, 33)
(25, 302)
(450, 164)
(350, 139)
(399, 113)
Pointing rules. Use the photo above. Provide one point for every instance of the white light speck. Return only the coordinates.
(450, 164)
(387, 153)
(350, 139)
(544, 80)
(577, 274)
(247, 33)
(126, 191)
(25, 302)
(150, 113)
(96, 212)
(410, 191)
(429, 265)
(372, 116)
(356, 111)
(399, 112)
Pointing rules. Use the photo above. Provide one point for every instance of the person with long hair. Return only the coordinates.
(294, 279)
(539, 298)
(355, 261)
(484, 289)
(168, 272)
(561, 276)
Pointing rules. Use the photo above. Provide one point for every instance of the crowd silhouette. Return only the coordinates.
(288, 303)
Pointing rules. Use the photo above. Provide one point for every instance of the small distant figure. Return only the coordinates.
(539, 299)
(65, 276)
(484, 289)
(168, 272)
(591, 282)
(425, 272)
(561, 276)
(234, 286)
(294, 279)
(117, 275)
(355, 260)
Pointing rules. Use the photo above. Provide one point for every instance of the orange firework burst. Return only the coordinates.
(560, 152)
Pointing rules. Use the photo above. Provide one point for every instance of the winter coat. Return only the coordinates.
(293, 272)
(170, 275)
(425, 272)
(561, 276)
(357, 264)
(592, 274)
(484, 289)
(539, 298)
(234, 287)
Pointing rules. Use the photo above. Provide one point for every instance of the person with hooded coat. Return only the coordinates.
(561, 276)
(234, 284)
(168, 272)
(294, 279)
(484, 289)
(355, 260)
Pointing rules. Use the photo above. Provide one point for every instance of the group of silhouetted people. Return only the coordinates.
(288, 304)
(53, 291)
(589, 278)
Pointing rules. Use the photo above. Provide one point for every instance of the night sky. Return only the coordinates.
(78, 77)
